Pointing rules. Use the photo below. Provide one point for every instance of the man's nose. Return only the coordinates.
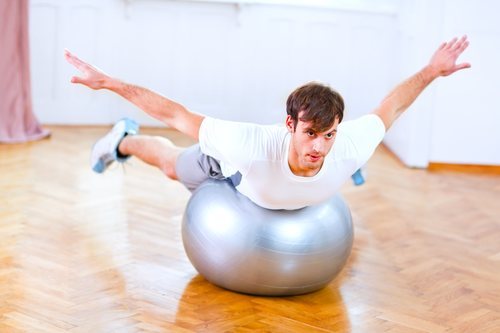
(318, 145)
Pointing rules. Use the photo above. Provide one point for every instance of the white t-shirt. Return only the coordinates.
(260, 154)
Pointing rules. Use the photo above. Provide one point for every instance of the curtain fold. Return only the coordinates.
(17, 121)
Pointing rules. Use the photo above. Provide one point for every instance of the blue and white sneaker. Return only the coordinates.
(105, 150)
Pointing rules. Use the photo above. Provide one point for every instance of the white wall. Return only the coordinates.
(240, 61)
(456, 119)
(466, 127)
(221, 59)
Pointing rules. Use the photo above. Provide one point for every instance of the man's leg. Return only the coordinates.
(153, 150)
(188, 165)
(123, 141)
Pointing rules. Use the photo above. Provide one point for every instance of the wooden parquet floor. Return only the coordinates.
(81, 252)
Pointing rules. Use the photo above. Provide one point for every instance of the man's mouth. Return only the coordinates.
(314, 158)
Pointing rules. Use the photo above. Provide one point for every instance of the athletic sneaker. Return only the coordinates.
(105, 150)
(358, 177)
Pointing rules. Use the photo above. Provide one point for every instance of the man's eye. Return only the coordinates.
(310, 133)
(329, 135)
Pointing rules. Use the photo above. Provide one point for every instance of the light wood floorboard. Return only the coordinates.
(81, 252)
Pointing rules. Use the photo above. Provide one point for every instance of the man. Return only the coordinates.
(276, 167)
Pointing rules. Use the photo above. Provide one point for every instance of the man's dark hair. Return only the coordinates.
(321, 106)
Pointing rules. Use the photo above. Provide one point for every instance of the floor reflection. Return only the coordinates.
(206, 307)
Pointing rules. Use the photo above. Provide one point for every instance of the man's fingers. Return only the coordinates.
(448, 53)
(458, 46)
(69, 56)
(451, 43)
(464, 46)
(462, 66)
(77, 79)
(74, 60)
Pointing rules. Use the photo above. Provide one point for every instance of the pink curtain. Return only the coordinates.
(17, 121)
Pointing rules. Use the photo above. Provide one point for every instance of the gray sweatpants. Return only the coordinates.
(193, 167)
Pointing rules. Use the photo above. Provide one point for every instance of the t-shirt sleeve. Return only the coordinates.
(357, 139)
(231, 142)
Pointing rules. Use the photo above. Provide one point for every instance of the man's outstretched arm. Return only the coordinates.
(442, 63)
(171, 113)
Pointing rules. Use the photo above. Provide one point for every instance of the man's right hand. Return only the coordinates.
(91, 77)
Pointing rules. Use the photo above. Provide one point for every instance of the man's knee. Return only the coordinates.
(169, 163)
(169, 171)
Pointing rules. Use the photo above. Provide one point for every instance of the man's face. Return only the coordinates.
(308, 148)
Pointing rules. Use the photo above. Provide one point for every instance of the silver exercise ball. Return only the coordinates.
(242, 247)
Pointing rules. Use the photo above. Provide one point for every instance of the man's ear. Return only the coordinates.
(289, 123)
